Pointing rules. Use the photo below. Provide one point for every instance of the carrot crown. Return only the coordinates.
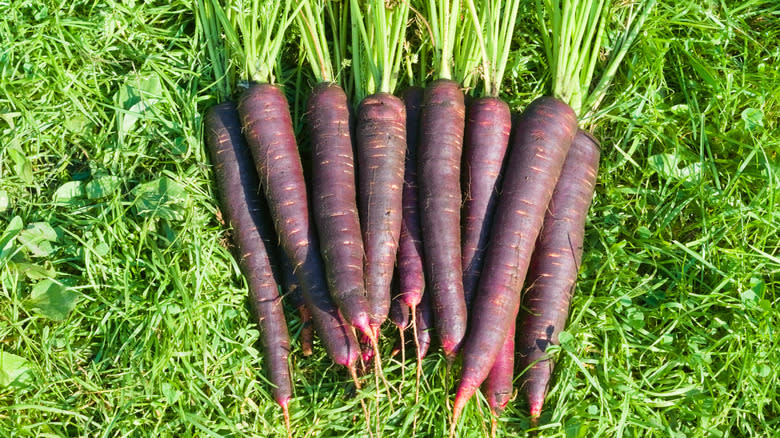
(315, 39)
(572, 34)
(254, 30)
(491, 23)
(378, 37)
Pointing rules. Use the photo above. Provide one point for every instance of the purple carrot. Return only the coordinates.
(441, 142)
(381, 147)
(334, 201)
(554, 267)
(268, 130)
(410, 247)
(542, 138)
(488, 125)
(237, 185)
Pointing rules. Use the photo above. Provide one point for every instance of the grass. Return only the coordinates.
(123, 314)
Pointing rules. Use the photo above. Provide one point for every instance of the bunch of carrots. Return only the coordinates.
(438, 209)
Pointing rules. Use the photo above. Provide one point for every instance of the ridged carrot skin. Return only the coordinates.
(237, 186)
(410, 246)
(543, 135)
(438, 175)
(381, 148)
(334, 202)
(554, 267)
(268, 130)
(497, 387)
(488, 124)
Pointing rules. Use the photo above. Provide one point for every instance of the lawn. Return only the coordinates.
(122, 312)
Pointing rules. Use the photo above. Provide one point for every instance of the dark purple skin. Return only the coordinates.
(543, 135)
(554, 268)
(438, 170)
(237, 186)
(410, 246)
(381, 148)
(269, 133)
(334, 202)
(497, 387)
(488, 125)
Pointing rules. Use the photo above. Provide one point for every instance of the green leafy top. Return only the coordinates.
(572, 33)
(378, 37)
(314, 37)
(443, 16)
(211, 27)
(255, 30)
(493, 23)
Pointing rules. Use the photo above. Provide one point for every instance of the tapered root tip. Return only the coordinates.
(535, 406)
(461, 398)
(286, 414)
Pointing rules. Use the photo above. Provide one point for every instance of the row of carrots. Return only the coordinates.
(451, 219)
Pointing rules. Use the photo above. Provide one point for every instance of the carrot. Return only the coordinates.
(268, 130)
(410, 250)
(237, 185)
(334, 202)
(542, 138)
(554, 267)
(488, 125)
(497, 387)
(441, 140)
(381, 147)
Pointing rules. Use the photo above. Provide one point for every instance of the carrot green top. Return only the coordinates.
(378, 37)
(314, 18)
(572, 33)
(211, 29)
(254, 31)
(442, 16)
(492, 24)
